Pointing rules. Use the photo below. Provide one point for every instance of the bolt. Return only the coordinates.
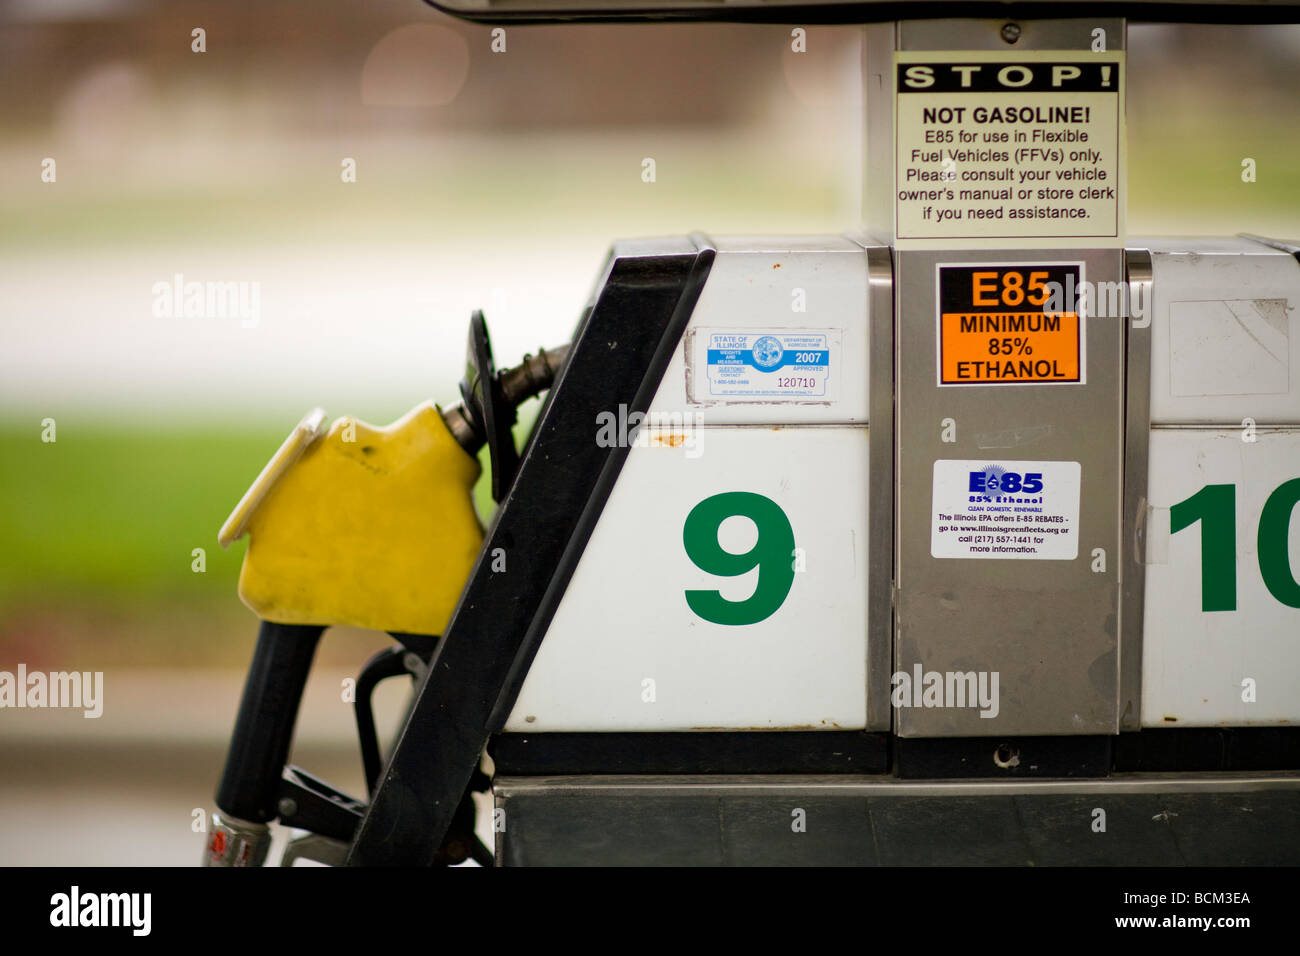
(1006, 756)
(287, 807)
(1011, 32)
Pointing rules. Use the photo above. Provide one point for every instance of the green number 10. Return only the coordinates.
(772, 554)
(1215, 506)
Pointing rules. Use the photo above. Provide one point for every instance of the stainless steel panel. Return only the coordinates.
(986, 34)
(878, 150)
(880, 513)
(1150, 819)
(847, 785)
(1137, 435)
(1049, 628)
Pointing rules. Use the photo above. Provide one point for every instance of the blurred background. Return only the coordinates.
(482, 179)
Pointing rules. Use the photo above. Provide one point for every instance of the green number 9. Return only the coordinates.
(772, 554)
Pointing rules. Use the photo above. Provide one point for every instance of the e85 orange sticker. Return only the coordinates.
(1010, 324)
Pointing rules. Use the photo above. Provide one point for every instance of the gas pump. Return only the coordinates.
(919, 544)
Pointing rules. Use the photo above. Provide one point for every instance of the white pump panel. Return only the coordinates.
(1221, 627)
(781, 328)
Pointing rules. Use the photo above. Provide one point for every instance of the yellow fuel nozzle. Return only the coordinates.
(375, 527)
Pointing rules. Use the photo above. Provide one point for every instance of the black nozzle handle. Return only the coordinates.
(259, 747)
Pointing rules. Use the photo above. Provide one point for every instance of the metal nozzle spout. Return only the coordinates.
(535, 374)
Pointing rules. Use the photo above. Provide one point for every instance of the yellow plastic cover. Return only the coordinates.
(373, 527)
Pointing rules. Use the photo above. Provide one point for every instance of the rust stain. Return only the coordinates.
(668, 439)
(820, 726)
(776, 265)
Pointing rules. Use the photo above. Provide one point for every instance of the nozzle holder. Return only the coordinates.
(490, 413)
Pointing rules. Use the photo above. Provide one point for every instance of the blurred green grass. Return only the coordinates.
(99, 531)
(114, 512)
(96, 548)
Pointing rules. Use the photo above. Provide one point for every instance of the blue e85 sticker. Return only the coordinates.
(769, 365)
(1028, 510)
(994, 480)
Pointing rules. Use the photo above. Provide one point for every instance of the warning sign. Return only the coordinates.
(1001, 324)
(992, 147)
(1006, 509)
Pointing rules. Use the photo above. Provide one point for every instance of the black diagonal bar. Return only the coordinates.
(618, 356)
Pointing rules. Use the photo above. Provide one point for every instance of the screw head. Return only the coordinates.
(1011, 32)
(288, 807)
